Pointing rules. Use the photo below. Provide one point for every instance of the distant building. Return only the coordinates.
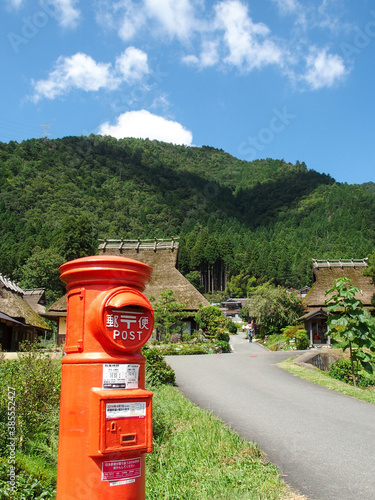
(19, 319)
(231, 308)
(325, 272)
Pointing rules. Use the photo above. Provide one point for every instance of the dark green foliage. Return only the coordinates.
(342, 370)
(158, 372)
(75, 238)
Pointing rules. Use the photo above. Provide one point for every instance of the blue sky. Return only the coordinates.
(292, 79)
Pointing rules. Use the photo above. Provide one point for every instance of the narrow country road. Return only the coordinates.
(322, 442)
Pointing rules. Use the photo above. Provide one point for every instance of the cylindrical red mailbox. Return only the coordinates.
(105, 410)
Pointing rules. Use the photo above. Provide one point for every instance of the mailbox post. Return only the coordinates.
(105, 411)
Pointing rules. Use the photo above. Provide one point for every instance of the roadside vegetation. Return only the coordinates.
(29, 420)
(324, 379)
(170, 338)
(291, 338)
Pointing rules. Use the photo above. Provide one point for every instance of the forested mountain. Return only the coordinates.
(246, 221)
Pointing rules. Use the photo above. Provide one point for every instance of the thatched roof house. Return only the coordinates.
(18, 320)
(162, 256)
(324, 274)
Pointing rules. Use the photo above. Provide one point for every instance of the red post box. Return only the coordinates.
(105, 410)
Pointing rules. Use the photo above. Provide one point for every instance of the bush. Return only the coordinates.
(290, 331)
(342, 370)
(302, 340)
(211, 320)
(231, 327)
(34, 381)
(158, 372)
(224, 336)
(223, 346)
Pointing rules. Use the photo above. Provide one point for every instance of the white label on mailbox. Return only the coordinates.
(125, 410)
(120, 376)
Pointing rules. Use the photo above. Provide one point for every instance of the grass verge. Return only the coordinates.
(197, 457)
(321, 378)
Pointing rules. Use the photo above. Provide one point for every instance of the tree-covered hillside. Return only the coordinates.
(242, 220)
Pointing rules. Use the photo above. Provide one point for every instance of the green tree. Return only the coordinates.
(75, 238)
(167, 314)
(211, 320)
(275, 308)
(41, 270)
(350, 324)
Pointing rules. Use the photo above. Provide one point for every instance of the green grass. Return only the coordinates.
(197, 457)
(321, 378)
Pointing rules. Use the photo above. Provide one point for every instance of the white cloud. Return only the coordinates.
(78, 71)
(248, 44)
(144, 125)
(323, 69)
(66, 12)
(176, 17)
(81, 71)
(224, 34)
(132, 64)
(234, 39)
(209, 55)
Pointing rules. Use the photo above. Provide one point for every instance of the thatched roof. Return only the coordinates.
(36, 298)
(57, 309)
(326, 272)
(161, 255)
(13, 305)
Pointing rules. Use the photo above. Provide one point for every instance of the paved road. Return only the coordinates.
(322, 442)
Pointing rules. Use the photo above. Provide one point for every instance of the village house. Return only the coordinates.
(231, 308)
(19, 319)
(162, 256)
(325, 272)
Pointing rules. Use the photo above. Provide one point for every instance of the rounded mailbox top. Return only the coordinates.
(105, 269)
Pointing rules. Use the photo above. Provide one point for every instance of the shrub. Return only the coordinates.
(211, 320)
(231, 327)
(34, 380)
(224, 336)
(342, 370)
(158, 372)
(290, 331)
(302, 340)
(223, 346)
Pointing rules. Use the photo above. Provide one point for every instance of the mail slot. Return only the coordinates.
(121, 422)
